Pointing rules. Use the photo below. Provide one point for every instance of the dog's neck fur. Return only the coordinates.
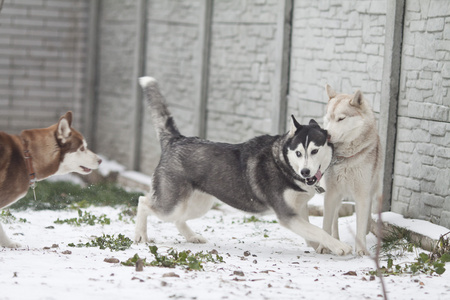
(44, 153)
(356, 147)
(29, 163)
(281, 162)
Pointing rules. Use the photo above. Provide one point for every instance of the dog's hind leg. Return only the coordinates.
(194, 207)
(5, 241)
(187, 232)
(143, 211)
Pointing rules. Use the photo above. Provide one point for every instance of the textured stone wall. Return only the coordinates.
(336, 42)
(117, 42)
(43, 53)
(422, 158)
(241, 69)
(241, 65)
(42, 62)
(172, 58)
(173, 29)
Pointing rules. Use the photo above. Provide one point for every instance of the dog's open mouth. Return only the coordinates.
(86, 170)
(314, 179)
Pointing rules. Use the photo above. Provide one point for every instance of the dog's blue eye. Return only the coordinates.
(298, 153)
(314, 151)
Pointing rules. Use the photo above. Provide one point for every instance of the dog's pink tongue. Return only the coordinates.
(318, 175)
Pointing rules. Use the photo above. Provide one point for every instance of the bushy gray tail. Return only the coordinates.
(162, 119)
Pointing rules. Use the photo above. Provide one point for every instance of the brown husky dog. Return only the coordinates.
(36, 154)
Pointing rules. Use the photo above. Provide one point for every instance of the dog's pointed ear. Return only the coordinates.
(330, 92)
(68, 117)
(294, 126)
(64, 130)
(357, 99)
(313, 122)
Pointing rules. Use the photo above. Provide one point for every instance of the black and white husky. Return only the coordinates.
(278, 173)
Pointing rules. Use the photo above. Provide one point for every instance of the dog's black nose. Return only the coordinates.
(305, 172)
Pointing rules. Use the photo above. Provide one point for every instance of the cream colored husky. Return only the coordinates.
(357, 168)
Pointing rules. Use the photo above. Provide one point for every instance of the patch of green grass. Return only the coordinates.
(61, 195)
(127, 215)
(7, 217)
(85, 218)
(442, 248)
(173, 258)
(398, 241)
(107, 241)
(254, 219)
(131, 262)
(424, 264)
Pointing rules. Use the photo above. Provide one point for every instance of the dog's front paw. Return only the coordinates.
(322, 249)
(140, 237)
(11, 244)
(312, 244)
(337, 247)
(362, 251)
(197, 239)
(343, 249)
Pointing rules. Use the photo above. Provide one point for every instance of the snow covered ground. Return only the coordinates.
(277, 264)
(280, 265)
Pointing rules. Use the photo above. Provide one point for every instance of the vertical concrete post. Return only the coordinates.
(138, 71)
(390, 86)
(282, 53)
(90, 107)
(203, 51)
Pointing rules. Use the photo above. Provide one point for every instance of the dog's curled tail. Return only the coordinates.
(162, 119)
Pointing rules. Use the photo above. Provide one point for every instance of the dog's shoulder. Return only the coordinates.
(9, 144)
(260, 142)
(12, 168)
(253, 145)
